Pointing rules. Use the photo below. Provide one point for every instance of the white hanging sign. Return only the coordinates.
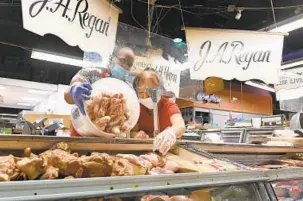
(168, 70)
(292, 80)
(89, 24)
(229, 54)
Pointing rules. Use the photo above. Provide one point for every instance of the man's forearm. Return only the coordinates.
(67, 96)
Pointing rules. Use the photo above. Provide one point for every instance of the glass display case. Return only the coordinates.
(289, 190)
(207, 178)
(232, 135)
(257, 135)
(244, 192)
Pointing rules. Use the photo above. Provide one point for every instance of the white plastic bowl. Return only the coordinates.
(83, 125)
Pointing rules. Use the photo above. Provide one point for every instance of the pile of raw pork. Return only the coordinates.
(59, 162)
(109, 112)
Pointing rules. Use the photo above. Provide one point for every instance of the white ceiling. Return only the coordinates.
(16, 92)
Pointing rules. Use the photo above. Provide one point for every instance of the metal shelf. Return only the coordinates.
(285, 174)
(119, 186)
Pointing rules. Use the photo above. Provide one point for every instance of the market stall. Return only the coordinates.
(40, 165)
(232, 181)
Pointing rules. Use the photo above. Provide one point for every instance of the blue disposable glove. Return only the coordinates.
(79, 93)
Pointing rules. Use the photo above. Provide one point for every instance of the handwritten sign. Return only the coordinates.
(90, 24)
(168, 70)
(227, 54)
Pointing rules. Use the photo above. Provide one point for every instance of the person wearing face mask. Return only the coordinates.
(80, 86)
(171, 123)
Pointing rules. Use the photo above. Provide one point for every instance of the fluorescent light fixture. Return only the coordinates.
(56, 58)
(33, 91)
(31, 99)
(288, 27)
(292, 64)
(260, 86)
(24, 104)
(2, 88)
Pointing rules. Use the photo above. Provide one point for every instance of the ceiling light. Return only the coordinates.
(260, 86)
(57, 58)
(292, 64)
(289, 26)
(33, 91)
(239, 14)
(24, 104)
(31, 99)
(177, 40)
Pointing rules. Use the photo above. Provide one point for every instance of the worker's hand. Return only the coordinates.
(164, 141)
(79, 93)
(141, 135)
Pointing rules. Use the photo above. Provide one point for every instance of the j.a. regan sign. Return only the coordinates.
(227, 54)
(90, 24)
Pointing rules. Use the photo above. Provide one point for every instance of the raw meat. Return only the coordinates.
(32, 167)
(50, 163)
(59, 162)
(180, 198)
(154, 159)
(159, 170)
(109, 112)
(97, 165)
(51, 173)
(141, 135)
(136, 160)
(172, 166)
(61, 158)
(122, 167)
(8, 168)
(155, 198)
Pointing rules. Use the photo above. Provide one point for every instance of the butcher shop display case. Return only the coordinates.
(289, 190)
(63, 168)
